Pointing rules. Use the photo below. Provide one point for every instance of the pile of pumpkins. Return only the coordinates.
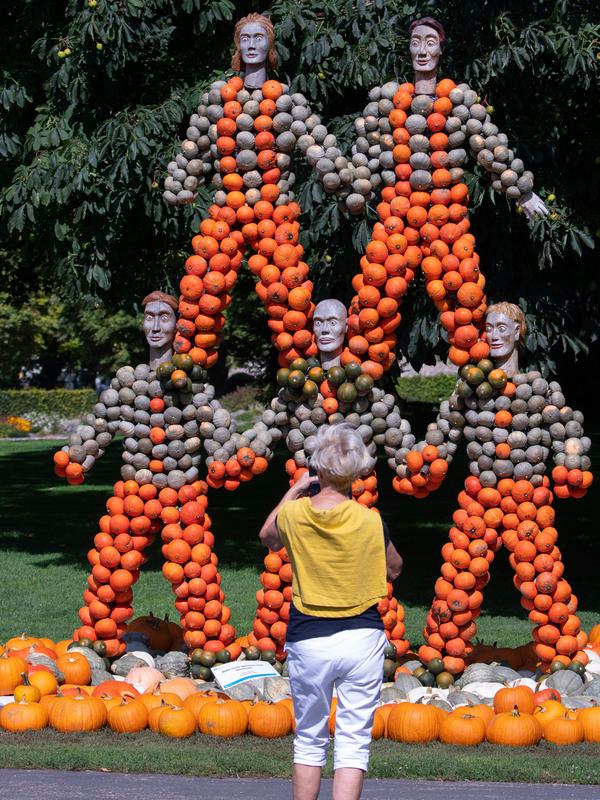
(509, 703)
(67, 686)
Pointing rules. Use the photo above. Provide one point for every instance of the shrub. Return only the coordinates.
(242, 398)
(31, 403)
(425, 389)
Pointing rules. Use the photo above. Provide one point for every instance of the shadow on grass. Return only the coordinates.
(42, 516)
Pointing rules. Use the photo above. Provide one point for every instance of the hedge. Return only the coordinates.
(425, 389)
(65, 403)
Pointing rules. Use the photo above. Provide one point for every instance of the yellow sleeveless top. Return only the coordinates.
(337, 556)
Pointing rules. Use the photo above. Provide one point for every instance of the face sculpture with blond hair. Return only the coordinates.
(505, 329)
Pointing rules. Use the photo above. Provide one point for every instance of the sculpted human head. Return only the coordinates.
(426, 37)
(505, 330)
(254, 39)
(330, 323)
(159, 320)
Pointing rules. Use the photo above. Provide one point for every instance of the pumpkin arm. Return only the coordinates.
(204, 434)
(449, 424)
(194, 158)
(506, 171)
(570, 447)
(88, 441)
(342, 173)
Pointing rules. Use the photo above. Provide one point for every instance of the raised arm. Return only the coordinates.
(470, 124)
(195, 162)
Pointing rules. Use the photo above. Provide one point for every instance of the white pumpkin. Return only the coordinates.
(424, 693)
(486, 691)
(525, 682)
(593, 667)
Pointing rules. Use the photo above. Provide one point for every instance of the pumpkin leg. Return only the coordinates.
(283, 283)
(191, 568)
(365, 492)
(211, 273)
(546, 595)
(473, 542)
(427, 230)
(126, 531)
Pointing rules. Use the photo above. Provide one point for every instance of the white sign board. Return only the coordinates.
(236, 672)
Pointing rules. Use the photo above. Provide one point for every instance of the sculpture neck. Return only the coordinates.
(330, 359)
(425, 82)
(254, 75)
(509, 363)
(158, 355)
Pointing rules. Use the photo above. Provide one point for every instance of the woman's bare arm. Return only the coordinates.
(269, 533)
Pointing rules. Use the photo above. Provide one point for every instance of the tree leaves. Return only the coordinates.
(85, 139)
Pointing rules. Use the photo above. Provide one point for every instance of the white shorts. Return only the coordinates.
(352, 661)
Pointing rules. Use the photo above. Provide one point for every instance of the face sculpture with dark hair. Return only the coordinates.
(172, 426)
(159, 326)
(254, 54)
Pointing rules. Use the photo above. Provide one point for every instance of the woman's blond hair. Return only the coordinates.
(340, 456)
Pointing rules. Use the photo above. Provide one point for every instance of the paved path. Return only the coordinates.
(50, 785)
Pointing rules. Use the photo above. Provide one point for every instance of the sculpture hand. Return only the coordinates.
(65, 468)
(533, 205)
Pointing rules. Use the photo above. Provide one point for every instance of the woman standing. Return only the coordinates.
(341, 563)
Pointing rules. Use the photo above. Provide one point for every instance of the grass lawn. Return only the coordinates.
(46, 528)
(248, 756)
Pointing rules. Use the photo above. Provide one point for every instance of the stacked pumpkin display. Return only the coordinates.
(145, 699)
(511, 427)
(48, 684)
(135, 515)
(247, 140)
(413, 145)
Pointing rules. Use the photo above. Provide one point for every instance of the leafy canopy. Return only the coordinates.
(96, 95)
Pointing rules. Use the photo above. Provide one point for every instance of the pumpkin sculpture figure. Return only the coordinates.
(317, 392)
(168, 415)
(411, 146)
(513, 422)
(244, 133)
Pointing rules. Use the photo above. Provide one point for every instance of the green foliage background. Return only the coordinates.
(68, 403)
(85, 139)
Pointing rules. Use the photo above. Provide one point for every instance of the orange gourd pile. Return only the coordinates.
(419, 229)
(271, 231)
(273, 604)
(522, 518)
(136, 514)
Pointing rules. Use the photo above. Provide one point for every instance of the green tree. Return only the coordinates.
(96, 96)
(45, 335)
